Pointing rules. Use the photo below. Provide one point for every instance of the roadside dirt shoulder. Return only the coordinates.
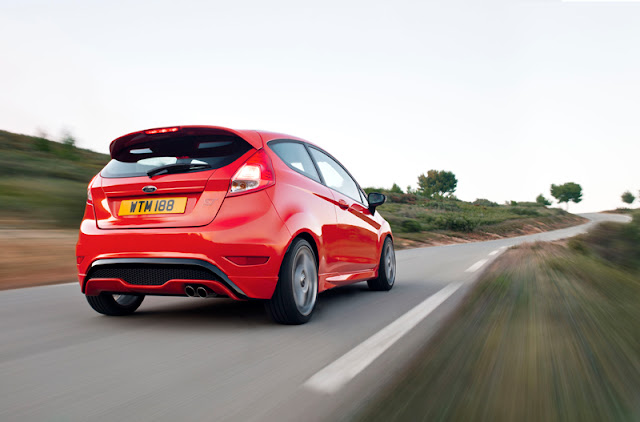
(37, 257)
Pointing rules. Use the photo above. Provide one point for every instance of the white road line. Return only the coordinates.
(475, 267)
(498, 251)
(334, 376)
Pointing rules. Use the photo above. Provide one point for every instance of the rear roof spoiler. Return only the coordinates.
(125, 142)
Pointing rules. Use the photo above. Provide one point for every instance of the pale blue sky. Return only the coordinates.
(509, 95)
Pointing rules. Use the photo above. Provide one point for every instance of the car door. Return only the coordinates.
(357, 244)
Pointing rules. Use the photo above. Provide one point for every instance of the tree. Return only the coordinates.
(437, 183)
(543, 201)
(69, 143)
(628, 197)
(68, 140)
(396, 189)
(41, 141)
(567, 192)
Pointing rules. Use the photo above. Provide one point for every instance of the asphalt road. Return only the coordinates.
(180, 359)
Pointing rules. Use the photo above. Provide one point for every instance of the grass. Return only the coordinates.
(550, 332)
(43, 183)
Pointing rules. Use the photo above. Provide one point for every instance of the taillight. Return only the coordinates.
(255, 174)
(89, 197)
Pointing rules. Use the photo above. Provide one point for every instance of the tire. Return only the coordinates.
(386, 270)
(295, 296)
(115, 304)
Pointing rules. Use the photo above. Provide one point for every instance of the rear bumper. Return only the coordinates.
(250, 228)
(120, 275)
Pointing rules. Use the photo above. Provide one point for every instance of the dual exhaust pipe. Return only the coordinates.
(199, 291)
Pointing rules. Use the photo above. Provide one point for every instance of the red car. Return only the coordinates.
(206, 211)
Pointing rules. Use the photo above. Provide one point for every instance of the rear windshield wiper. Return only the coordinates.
(177, 168)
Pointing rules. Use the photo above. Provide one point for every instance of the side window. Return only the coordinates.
(335, 176)
(295, 156)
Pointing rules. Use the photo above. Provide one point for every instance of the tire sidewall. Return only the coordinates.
(287, 279)
(388, 243)
(124, 308)
(105, 304)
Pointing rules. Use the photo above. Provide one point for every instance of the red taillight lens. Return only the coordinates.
(161, 130)
(257, 173)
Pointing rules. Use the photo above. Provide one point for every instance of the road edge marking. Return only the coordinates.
(336, 375)
(475, 267)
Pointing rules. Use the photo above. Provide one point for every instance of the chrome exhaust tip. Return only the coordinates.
(203, 292)
(190, 291)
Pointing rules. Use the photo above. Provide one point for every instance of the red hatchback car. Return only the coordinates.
(207, 211)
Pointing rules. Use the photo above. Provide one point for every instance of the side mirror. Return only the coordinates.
(375, 199)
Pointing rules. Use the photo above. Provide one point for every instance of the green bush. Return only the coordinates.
(484, 202)
(402, 198)
(616, 242)
(41, 144)
(530, 204)
(525, 211)
(442, 205)
(411, 226)
(578, 245)
(458, 223)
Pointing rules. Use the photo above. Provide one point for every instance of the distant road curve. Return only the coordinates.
(215, 359)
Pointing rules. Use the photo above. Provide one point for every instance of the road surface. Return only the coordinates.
(182, 359)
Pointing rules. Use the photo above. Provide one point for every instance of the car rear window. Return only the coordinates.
(215, 150)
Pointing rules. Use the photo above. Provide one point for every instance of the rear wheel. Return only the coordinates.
(295, 296)
(115, 304)
(387, 268)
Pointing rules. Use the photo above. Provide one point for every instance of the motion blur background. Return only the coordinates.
(509, 95)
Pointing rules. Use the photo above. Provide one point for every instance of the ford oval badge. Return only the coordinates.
(149, 189)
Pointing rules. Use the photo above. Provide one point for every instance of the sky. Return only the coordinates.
(511, 96)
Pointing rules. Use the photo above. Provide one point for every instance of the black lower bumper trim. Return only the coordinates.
(157, 271)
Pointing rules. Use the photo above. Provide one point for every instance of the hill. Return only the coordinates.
(419, 221)
(43, 183)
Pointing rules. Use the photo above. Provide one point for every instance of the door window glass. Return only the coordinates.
(335, 176)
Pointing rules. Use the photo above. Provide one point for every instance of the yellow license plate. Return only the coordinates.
(153, 206)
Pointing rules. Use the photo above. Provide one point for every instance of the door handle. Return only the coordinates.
(343, 204)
